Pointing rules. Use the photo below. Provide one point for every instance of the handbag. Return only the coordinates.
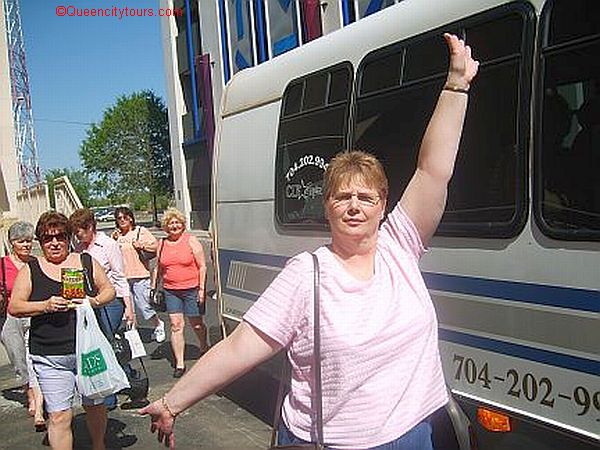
(317, 365)
(98, 371)
(157, 296)
(144, 255)
(119, 344)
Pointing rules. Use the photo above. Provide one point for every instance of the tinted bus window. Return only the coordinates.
(308, 138)
(488, 191)
(568, 143)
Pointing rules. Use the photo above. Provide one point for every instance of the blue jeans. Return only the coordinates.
(114, 310)
(417, 438)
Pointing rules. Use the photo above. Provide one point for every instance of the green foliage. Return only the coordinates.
(127, 155)
(78, 179)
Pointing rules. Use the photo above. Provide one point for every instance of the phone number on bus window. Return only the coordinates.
(525, 385)
(303, 161)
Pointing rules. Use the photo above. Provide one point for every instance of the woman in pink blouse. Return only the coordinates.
(132, 240)
(381, 369)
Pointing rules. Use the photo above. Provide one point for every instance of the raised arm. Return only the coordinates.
(424, 199)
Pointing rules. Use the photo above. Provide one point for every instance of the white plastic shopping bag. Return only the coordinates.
(135, 343)
(98, 372)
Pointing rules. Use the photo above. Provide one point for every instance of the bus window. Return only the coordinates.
(568, 148)
(312, 129)
(488, 191)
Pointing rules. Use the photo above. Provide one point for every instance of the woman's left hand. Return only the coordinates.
(200, 296)
(129, 316)
(463, 67)
(161, 422)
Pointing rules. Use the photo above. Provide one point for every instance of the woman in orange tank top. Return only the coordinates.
(182, 268)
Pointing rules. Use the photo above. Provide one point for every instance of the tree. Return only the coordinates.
(78, 179)
(127, 155)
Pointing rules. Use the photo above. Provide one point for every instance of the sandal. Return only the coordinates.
(40, 424)
(178, 372)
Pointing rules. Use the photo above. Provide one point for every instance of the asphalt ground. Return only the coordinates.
(215, 423)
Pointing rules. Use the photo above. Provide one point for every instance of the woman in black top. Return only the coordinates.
(37, 293)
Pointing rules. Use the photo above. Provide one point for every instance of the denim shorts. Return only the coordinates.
(183, 301)
(56, 375)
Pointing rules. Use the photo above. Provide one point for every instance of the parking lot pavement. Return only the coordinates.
(215, 423)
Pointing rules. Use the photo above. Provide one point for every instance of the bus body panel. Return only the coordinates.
(518, 316)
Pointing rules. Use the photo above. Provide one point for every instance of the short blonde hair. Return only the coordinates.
(354, 165)
(172, 213)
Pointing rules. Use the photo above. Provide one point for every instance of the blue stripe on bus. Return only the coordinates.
(586, 299)
(539, 294)
(522, 351)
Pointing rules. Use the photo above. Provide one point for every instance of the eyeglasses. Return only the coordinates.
(122, 217)
(47, 238)
(364, 199)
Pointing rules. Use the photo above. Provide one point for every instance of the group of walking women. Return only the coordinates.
(121, 280)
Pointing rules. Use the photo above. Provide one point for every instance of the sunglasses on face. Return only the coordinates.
(47, 238)
(122, 217)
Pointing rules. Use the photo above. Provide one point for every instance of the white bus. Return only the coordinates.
(514, 269)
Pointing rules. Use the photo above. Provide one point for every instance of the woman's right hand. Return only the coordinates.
(56, 304)
(161, 421)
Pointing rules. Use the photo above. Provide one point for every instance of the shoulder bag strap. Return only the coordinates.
(317, 352)
(90, 289)
(4, 299)
(88, 273)
(158, 271)
(317, 366)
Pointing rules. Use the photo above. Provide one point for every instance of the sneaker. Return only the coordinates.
(159, 334)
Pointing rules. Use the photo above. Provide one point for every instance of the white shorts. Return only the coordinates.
(56, 375)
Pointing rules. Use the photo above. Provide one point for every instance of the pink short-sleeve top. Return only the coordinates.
(381, 369)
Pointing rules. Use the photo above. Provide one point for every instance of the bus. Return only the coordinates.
(514, 268)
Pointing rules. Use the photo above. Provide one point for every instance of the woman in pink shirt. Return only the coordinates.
(132, 240)
(381, 369)
(182, 270)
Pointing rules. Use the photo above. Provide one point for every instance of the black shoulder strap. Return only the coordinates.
(4, 287)
(285, 371)
(88, 274)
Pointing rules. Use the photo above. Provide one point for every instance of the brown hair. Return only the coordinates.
(354, 165)
(52, 220)
(172, 213)
(82, 218)
(126, 212)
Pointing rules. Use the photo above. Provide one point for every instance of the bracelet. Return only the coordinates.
(454, 88)
(165, 405)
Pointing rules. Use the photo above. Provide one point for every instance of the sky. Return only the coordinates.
(79, 66)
